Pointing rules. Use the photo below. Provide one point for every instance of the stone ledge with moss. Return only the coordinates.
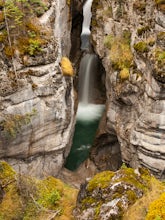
(24, 197)
(109, 195)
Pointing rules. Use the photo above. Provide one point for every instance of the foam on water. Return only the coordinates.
(84, 147)
(89, 112)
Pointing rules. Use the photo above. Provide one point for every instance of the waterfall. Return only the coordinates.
(87, 17)
(87, 72)
(88, 113)
(85, 34)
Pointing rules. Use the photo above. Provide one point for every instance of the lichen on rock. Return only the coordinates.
(109, 194)
(130, 43)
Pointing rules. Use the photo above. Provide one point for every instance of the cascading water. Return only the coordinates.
(88, 68)
(85, 34)
(88, 113)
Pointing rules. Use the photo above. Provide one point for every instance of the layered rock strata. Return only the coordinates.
(129, 38)
(36, 100)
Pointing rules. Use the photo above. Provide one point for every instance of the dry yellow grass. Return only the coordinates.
(139, 209)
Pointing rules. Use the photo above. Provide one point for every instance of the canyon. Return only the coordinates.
(38, 102)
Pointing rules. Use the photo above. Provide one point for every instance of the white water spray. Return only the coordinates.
(87, 17)
(87, 111)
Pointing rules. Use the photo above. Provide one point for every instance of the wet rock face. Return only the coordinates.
(36, 100)
(107, 195)
(129, 38)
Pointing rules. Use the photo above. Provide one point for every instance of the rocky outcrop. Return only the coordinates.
(125, 194)
(128, 36)
(108, 195)
(36, 100)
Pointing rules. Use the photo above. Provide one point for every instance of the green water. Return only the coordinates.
(85, 132)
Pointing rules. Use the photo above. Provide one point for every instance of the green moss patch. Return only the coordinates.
(141, 47)
(31, 199)
(12, 123)
(120, 52)
(113, 192)
(100, 180)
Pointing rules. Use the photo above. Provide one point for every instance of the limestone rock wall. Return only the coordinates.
(36, 100)
(129, 38)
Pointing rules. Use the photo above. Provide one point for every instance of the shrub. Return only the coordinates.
(22, 25)
(157, 209)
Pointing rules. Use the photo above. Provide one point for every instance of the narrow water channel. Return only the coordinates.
(88, 113)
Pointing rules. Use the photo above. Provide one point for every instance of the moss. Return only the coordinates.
(9, 51)
(141, 47)
(161, 35)
(97, 211)
(151, 41)
(139, 5)
(1, 3)
(49, 195)
(66, 67)
(142, 30)
(31, 199)
(129, 176)
(108, 41)
(159, 2)
(131, 195)
(159, 57)
(120, 52)
(1, 16)
(157, 209)
(68, 2)
(88, 201)
(6, 172)
(100, 180)
(26, 33)
(3, 35)
(12, 123)
(124, 74)
(108, 12)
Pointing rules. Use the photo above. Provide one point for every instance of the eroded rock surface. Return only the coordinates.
(129, 38)
(109, 194)
(36, 100)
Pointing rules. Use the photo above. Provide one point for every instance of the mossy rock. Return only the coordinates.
(124, 74)
(119, 50)
(141, 47)
(142, 30)
(110, 193)
(66, 66)
(100, 180)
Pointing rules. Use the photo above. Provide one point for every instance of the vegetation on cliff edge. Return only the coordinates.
(27, 198)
